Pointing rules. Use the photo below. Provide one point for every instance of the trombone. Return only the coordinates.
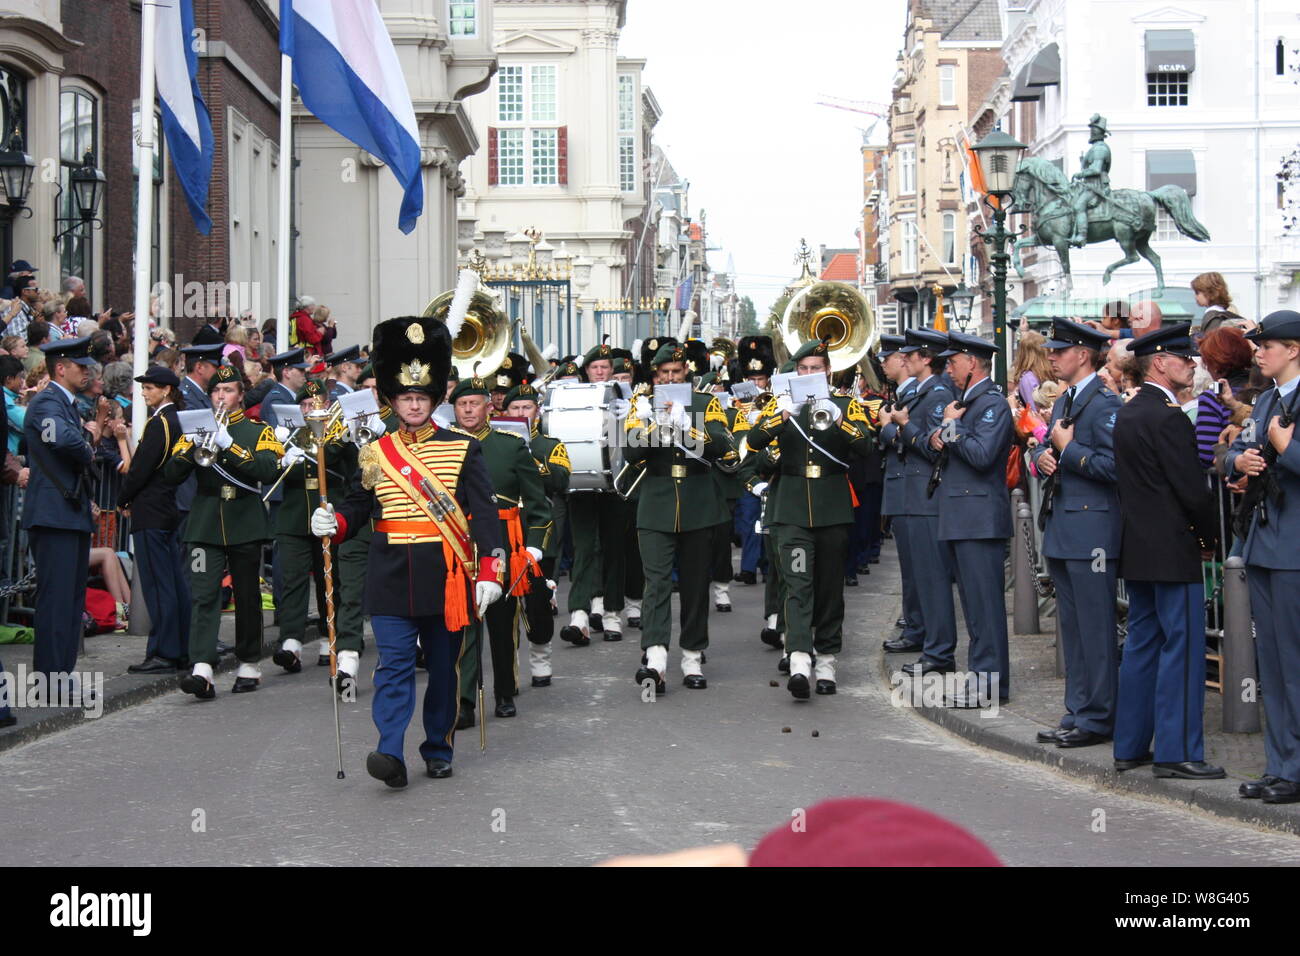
(205, 449)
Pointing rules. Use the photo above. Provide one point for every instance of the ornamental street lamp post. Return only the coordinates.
(999, 155)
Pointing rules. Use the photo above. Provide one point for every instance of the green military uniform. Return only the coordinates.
(759, 471)
(525, 514)
(811, 509)
(633, 573)
(298, 550)
(227, 528)
(730, 487)
(680, 503)
(354, 554)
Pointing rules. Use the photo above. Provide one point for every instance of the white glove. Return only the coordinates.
(642, 409)
(223, 438)
(754, 416)
(682, 417)
(292, 457)
(536, 553)
(485, 592)
(376, 424)
(758, 489)
(785, 404)
(834, 409)
(282, 434)
(323, 522)
(621, 407)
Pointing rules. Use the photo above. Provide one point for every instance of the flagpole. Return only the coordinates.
(144, 213)
(282, 310)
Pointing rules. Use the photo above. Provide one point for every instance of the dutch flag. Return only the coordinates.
(348, 75)
(185, 120)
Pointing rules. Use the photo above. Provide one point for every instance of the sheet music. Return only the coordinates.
(360, 403)
(679, 395)
(745, 391)
(781, 382)
(625, 389)
(516, 425)
(290, 416)
(806, 387)
(445, 416)
(198, 421)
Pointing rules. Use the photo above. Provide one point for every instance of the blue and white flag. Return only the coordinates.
(348, 75)
(185, 119)
(685, 293)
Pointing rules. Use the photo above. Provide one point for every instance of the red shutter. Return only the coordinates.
(562, 154)
(493, 174)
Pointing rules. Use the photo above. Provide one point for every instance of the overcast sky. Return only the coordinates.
(738, 82)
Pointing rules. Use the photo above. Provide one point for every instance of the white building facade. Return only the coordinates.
(348, 251)
(1198, 92)
(563, 127)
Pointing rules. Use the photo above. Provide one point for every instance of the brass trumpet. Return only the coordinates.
(820, 418)
(205, 449)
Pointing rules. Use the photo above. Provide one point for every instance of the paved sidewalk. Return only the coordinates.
(1036, 704)
(110, 655)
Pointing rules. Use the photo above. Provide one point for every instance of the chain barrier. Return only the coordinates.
(1042, 583)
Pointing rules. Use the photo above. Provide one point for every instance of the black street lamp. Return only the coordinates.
(16, 171)
(87, 183)
(999, 156)
(962, 299)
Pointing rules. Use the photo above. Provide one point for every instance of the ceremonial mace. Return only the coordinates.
(318, 418)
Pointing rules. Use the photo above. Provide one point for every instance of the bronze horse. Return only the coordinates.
(1128, 217)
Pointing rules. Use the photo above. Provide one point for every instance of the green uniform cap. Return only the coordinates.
(671, 352)
(599, 352)
(225, 373)
(470, 386)
(787, 367)
(811, 347)
(522, 393)
(310, 390)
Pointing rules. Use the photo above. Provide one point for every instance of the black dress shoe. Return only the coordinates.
(245, 685)
(595, 623)
(541, 681)
(722, 608)
(613, 635)
(901, 622)
(345, 685)
(783, 665)
(290, 661)
(746, 577)
(634, 622)
(1053, 735)
(387, 768)
(153, 665)
(1189, 770)
(1078, 737)
(506, 707)
(644, 674)
(1122, 765)
(323, 660)
(465, 719)
(1254, 789)
(864, 569)
(770, 636)
(797, 685)
(826, 687)
(8, 720)
(850, 580)
(695, 681)
(437, 768)
(900, 646)
(1284, 791)
(928, 667)
(574, 636)
(198, 686)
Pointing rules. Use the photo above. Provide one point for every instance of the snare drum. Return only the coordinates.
(581, 414)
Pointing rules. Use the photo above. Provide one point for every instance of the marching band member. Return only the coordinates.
(226, 529)
(811, 512)
(553, 462)
(679, 505)
(436, 533)
(731, 488)
(755, 365)
(525, 514)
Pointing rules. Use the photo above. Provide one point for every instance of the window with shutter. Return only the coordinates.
(563, 155)
(492, 156)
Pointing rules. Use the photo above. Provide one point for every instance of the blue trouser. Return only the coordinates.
(62, 565)
(166, 592)
(748, 509)
(1085, 607)
(912, 614)
(872, 502)
(866, 516)
(1275, 606)
(277, 566)
(395, 683)
(981, 585)
(1162, 677)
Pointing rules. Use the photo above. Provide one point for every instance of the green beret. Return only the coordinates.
(622, 365)
(470, 386)
(787, 367)
(224, 374)
(522, 393)
(567, 370)
(310, 390)
(708, 380)
(598, 353)
(367, 372)
(812, 347)
(672, 352)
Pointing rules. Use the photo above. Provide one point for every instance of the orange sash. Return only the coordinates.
(520, 559)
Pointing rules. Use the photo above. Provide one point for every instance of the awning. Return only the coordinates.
(1170, 51)
(1044, 308)
(1171, 166)
(1045, 67)
(1021, 91)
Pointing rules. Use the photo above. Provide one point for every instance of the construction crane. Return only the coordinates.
(866, 107)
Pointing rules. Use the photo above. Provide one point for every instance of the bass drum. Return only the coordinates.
(584, 417)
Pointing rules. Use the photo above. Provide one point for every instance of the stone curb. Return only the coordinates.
(1013, 735)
